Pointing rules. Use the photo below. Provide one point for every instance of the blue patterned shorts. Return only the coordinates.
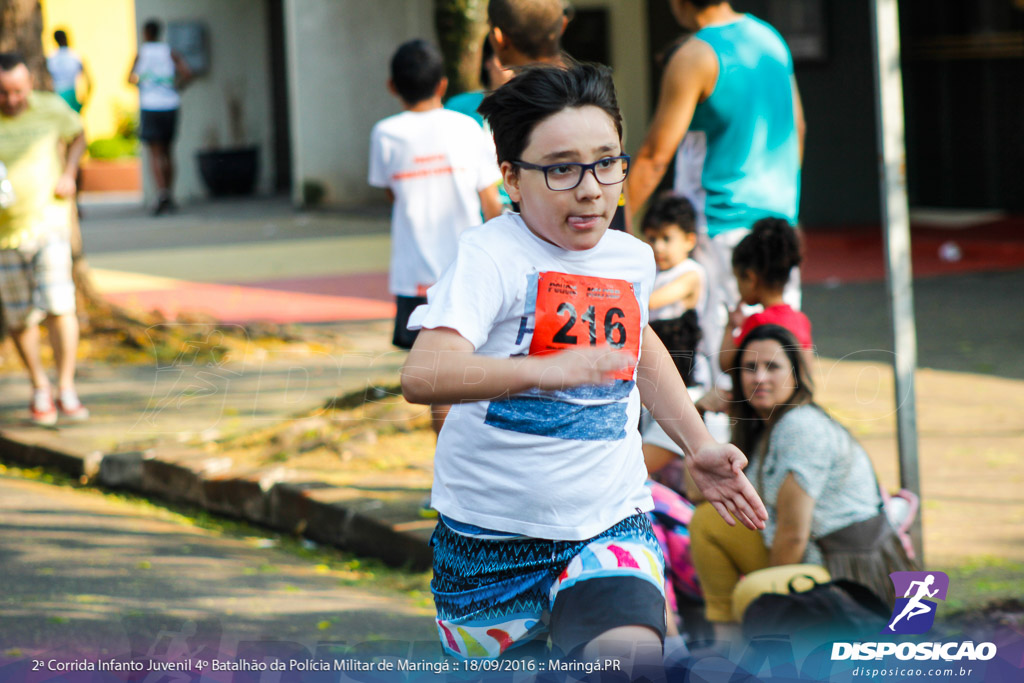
(496, 591)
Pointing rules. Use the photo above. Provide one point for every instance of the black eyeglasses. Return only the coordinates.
(568, 174)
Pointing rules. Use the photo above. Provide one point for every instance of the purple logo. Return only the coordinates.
(914, 612)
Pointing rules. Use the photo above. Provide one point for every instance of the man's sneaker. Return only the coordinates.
(164, 205)
(43, 415)
(76, 414)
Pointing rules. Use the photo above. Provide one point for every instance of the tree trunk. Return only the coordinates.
(21, 30)
(461, 28)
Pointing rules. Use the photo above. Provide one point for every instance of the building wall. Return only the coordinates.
(237, 37)
(338, 55)
(629, 50)
(102, 33)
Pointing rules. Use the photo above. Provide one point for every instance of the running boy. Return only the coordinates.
(537, 333)
(438, 168)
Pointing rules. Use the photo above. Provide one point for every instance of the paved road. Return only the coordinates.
(111, 227)
(965, 323)
(83, 572)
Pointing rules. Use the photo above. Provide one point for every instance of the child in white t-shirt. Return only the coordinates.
(538, 335)
(440, 171)
(676, 308)
(670, 227)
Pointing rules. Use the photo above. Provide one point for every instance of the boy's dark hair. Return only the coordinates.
(416, 70)
(10, 60)
(151, 29)
(516, 108)
(60, 37)
(534, 27)
(770, 250)
(670, 209)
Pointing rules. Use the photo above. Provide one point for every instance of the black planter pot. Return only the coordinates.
(231, 171)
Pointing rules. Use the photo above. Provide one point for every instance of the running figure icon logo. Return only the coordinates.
(914, 613)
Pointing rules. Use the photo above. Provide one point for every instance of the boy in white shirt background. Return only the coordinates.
(439, 170)
(538, 335)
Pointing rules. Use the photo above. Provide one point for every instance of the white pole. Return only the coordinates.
(896, 223)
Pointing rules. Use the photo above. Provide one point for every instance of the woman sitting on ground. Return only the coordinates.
(824, 506)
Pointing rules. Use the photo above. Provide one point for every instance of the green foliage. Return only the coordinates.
(125, 141)
(461, 26)
(127, 125)
(980, 581)
(117, 147)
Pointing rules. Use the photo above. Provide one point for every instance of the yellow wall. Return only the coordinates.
(102, 33)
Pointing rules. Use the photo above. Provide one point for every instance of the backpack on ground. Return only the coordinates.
(843, 609)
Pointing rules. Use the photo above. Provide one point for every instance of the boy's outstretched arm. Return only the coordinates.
(716, 468)
(443, 368)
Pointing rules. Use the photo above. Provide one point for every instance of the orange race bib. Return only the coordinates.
(579, 310)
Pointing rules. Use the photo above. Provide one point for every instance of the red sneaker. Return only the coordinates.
(77, 414)
(45, 417)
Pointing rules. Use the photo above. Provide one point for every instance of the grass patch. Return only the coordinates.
(982, 581)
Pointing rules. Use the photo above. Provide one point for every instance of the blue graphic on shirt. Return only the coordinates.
(586, 413)
(530, 309)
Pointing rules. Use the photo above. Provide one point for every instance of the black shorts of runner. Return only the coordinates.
(594, 607)
(158, 126)
(405, 305)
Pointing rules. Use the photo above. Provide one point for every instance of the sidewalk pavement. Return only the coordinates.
(149, 422)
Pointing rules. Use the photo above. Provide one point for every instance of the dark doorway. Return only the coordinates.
(282, 150)
(586, 37)
(963, 78)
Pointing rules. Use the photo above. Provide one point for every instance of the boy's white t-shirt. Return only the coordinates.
(561, 465)
(436, 163)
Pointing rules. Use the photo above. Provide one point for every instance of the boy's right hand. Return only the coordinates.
(717, 470)
(579, 366)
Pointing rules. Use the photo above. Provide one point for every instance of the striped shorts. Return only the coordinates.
(496, 591)
(35, 281)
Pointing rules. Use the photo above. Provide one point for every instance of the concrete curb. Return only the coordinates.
(387, 526)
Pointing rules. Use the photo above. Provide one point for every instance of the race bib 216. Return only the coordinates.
(580, 310)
